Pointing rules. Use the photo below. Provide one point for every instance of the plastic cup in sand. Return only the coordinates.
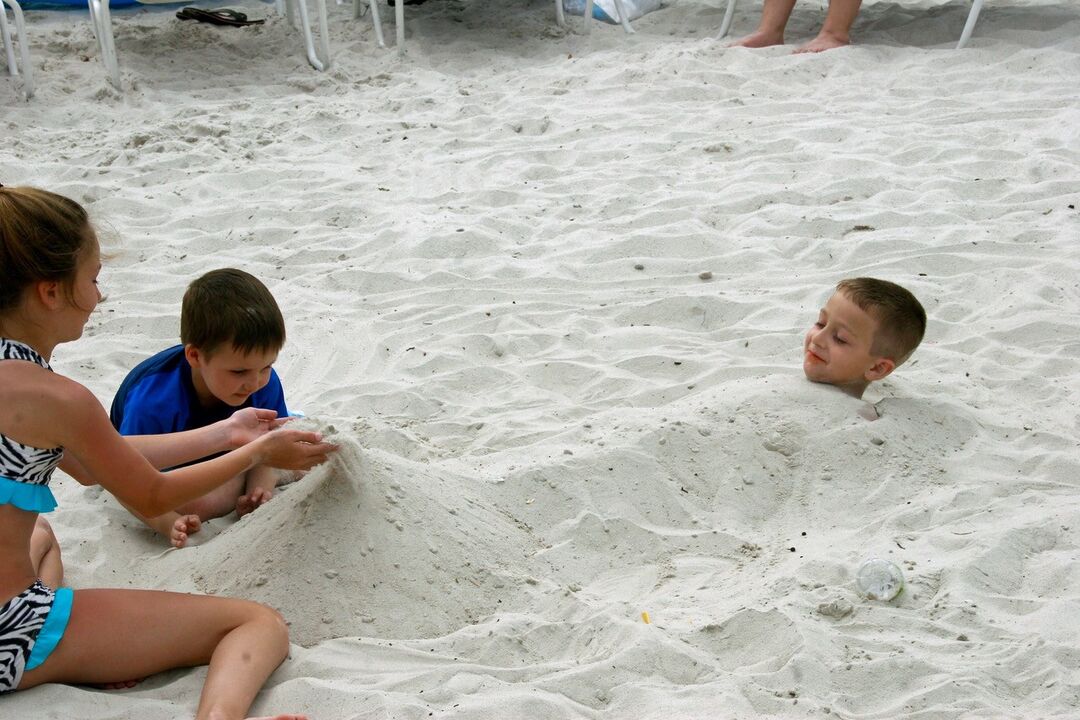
(879, 579)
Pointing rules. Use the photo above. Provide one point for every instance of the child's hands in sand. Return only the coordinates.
(250, 424)
(252, 501)
(184, 526)
(294, 449)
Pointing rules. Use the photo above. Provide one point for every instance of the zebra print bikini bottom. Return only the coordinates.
(31, 625)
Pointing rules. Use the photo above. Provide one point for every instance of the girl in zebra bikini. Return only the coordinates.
(49, 262)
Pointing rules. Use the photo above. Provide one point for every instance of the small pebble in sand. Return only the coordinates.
(639, 266)
(707, 275)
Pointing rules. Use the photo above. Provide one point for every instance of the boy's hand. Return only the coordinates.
(249, 424)
(294, 449)
(252, 501)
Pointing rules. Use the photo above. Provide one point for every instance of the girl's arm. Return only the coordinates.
(177, 448)
(73, 417)
(75, 469)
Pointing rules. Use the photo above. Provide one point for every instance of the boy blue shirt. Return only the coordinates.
(158, 397)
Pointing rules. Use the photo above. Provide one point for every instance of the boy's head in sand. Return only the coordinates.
(232, 330)
(867, 329)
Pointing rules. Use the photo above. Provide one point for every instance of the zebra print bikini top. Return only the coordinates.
(24, 470)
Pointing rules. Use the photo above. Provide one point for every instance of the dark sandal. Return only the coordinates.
(221, 16)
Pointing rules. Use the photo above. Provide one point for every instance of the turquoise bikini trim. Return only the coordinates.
(32, 498)
(53, 629)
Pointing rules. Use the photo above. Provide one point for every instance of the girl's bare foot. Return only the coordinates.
(824, 41)
(760, 39)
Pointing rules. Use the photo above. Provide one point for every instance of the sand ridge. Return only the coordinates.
(549, 291)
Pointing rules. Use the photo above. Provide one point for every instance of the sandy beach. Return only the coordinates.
(548, 291)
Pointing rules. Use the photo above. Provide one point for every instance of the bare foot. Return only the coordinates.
(280, 717)
(184, 526)
(252, 501)
(823, 42)
(760, 39)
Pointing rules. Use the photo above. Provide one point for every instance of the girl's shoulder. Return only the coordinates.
(27, 383)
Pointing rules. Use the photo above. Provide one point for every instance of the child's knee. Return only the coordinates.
(280, 629)
(272, 624)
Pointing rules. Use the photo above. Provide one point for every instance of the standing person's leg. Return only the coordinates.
(113, 635)
(770, 31)
(835, 31)
(45, 554)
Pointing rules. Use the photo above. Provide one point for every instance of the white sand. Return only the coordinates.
(542, 441)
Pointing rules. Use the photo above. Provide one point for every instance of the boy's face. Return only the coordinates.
(228, 375)
(837, 349)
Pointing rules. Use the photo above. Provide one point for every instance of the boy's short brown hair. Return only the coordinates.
(901, 319)
(230, 306)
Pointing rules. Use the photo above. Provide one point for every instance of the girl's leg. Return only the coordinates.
(113, 635)
(45, 554)
(836, 31)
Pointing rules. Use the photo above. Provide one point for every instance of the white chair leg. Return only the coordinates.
(309, 40)
(102, 22)
(587, 19)
(725, 25)
(976, 6)
(376, 21)
(399, 18)
(624, 18)
(324, 30)
(9, 48)
(24, 45)
(560, 16)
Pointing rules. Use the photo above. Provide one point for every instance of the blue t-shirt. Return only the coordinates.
(158, 397)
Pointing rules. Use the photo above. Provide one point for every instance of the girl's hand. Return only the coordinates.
(293, 449)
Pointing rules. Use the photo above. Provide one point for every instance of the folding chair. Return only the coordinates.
(560, 19)
(973, 15)
(620, 11)
(376, 21)
(24, 45)
(102, 24)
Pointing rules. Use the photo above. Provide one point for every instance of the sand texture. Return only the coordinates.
(548, 291)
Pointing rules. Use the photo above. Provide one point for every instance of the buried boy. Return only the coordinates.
(231, 331)
(867, 329)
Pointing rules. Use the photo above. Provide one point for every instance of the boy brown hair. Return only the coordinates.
(901, 318)
(230, 306)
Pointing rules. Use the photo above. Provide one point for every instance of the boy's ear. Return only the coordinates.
(193, 355)
(881, 368)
